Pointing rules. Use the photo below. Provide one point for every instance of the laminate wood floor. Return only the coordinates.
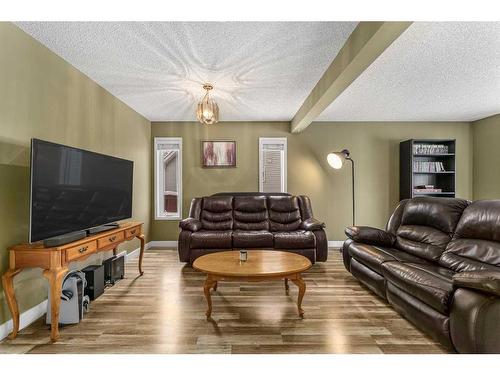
(164, 312)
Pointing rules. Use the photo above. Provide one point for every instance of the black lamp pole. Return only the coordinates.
(336, 160)
(353, 195)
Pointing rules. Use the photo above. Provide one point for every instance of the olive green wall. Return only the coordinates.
(374, 147)
(42, 96)
(487, 158)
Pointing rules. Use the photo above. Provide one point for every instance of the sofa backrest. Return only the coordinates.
(397, 215)
(305, 207)
(476, 242)
(217, 213)
(284, 213)
(427, 225)
(250, 213)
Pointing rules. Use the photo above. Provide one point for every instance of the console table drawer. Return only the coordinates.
(132, 232)
(81, 251)
(111, 239)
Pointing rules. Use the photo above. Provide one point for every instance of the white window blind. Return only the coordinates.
(168, 178)
(272, 165)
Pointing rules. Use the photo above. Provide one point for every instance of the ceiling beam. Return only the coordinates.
(367, 42)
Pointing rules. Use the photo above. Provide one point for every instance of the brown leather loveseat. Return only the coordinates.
(438, 264)
(252, 221)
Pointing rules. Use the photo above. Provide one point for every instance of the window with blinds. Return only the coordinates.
(272, 165)
(168, 178)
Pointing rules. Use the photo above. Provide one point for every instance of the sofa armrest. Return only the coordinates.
(474, 323)
(190, 224)
(370, 236)
(483, 281)
(312, 224)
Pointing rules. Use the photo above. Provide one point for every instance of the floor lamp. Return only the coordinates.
(336, 161)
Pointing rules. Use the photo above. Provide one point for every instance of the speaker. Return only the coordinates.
(95, 281)
(63, 239)
(114, 269)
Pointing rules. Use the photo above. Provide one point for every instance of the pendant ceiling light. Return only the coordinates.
(208, 110)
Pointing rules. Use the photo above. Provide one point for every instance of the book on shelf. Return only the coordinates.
(428, 166)
(427, 149)
(415, 190)
(424, 187)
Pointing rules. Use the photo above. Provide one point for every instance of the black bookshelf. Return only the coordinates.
(428, 162)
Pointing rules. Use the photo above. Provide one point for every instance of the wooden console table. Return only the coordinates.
(55, 261)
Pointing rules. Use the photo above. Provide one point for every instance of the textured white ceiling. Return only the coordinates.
(435, 71)
(262, 71)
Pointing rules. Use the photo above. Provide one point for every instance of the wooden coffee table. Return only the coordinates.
(262, 265)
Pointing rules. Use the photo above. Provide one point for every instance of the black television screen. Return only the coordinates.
(74, 189)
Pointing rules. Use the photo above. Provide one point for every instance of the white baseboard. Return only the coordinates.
(165, 244)
(135, 253)
(335, 244)
(25, 319)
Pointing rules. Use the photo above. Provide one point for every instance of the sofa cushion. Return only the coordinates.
(439, 213)
(251, 238)
(427, 225)
(250, 213)
(429, 283)
(298, 239)
(211, 239)
(284, 213)
(217, 213)
(476, 243)
(374, 256)
(425, 242)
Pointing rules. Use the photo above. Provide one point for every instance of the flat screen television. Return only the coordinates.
(74, 189)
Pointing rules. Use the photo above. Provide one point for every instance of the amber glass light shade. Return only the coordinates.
(207, 111)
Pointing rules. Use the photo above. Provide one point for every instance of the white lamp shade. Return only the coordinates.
(335, 160)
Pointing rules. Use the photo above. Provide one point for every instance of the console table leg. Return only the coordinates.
(287, 287)
(8, 289)
(141, 254)
(302, 290)
(55, 278)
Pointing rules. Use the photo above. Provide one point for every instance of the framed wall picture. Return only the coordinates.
(218, 154)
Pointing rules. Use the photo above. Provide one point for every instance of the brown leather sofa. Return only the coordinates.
(438, 264)
(252, 221)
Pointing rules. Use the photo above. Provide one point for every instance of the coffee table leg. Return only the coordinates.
(302, 289)
(209, 283)
(287, 288)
